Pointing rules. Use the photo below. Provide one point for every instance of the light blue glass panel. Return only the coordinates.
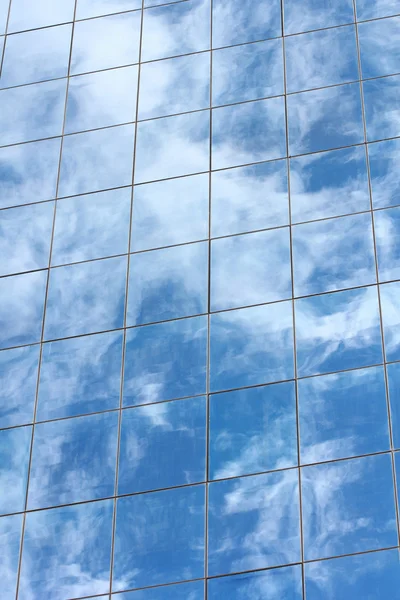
(10, 535)
(27, 15)
(239, 21)
(95, 8)
(316, 14)
(382, 112)
(393, 372)
(18, 374)
(384, 163)
(380, 54)
(387, 233)
(390, 302)
(14, 460)
(181, 591)
(4, 6)
(370, 9)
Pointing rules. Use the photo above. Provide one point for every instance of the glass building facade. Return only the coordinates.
(199, 299)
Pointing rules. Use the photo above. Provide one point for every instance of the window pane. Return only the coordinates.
(18, 375)
(14, 460)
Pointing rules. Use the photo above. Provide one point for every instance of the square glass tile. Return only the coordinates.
(25, 14)
(180, 591)
(95, 8)
(380, 54)
(316, 14)
(240, 21)
(371, 9)
(18, 377)
(382, 107)
(14, 462)
(277, 583)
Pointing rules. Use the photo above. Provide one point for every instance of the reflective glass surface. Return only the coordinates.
(25, 15)
(14, 459)
(316, 14)
(181, 591)
(10, 535)
(393, 372)
(18, 374)
(382, 107)
(380, 54)
(239, 21)
(387, 231)
(390, 299)
(95, 8)
(275, 584)
(380, 8)
(384, 159)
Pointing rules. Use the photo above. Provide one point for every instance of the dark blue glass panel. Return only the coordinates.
(93, 226)
(343, 415)
(384, 162)
(393, 372)
(25, 235)
(250, 269)
(315, 14)
(275, 584)
(28, 172)
(369, 9)
(380, 54)
(95, 8)
(253, 522)
(387, 233)
(382, 101)
(338, 331)
(81, 463)
(81, 375)
(10, 534)
(239, 21)
(14, 459)
(181, 591)
(162, 445)
(86, 298)
(324, 119)
(253, 430)
(159, 538)
(333, 254)
(168, 284)
(369, 576)
(25, 15)
(21, 308)
(249, 132)
(348, 507)
(67, 552)
(390, 302)
(165, 361)
(251, 346)
(18, 374)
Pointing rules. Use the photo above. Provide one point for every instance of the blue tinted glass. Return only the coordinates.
(172, 146)
(165, 361)
(343, 415)
(369, 9)
(181, 591)
(92, 226)
(382, 100)
(253, 522)
(96, 160)
(96, 8)
(247, 72)
(67, 552)
(168, 283)
(10, 534)
(315, 14)
(250, 269)
(21, 308)
(170, 212)
(86, 298)
(18, 374)
(265, 188)
(81, 464)
(253, 430)
(276, 584)
(25, 15)
(162, 445)
(369, 576)
(80, 376)
(36, 55)
(333, 254)
(321, 58)
(384, 161)
(159, 538)
(28, 172)
(380, 54)
(387, 233)
(4, 6)
(393, 372)
(348, 507)
(390, 299)
(25, 235)
(328, 184)
(174, 86)
(338, 331)
(32, 112)
(249, 132)
(325, 119)
(101, 99)
(14, 459)
(94, 44)
(239, 21)
(251, 346)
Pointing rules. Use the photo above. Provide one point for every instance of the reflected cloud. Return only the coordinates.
(18, 375)
(25, 15)
(240, 21)
(380, 54)
(14, 459)
(384, 158)
(382, 111)
(379, 8)
(387, 230)
(183, 591)
(316, 14)
(10, 534)
(274, 584)
(95, 8)
(390, 294)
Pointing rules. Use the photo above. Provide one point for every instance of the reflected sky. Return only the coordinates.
(384, 159)
(393, 372)
(95, 8)
(24, 15)
(14, 458)
(10, 534)
(274, 584)
(316, 14)
(390, 298)
(182, 591)
(240, 21)
(382, 111)
(18, 374)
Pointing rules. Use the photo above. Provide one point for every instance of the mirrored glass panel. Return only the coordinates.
(380, 54)
(321, 58)
(251, 346)
(382, 100)
(387, 233)
(348, 506)
(249, 132)
(81, 464)
(86, 298)
(324, 119)
(370, 9)
(384, 161)
(18, 375)
(165, 361)
(95, 8)
(250, 269)
(343, 415)
(162, 445)
(170, 212)
(333, 254)
(252, 430)
(14, 459)
(166, 544)
(26, 15)
(376, 575)
(253, 522)
(4, 6)
(181, 591)
(338, 331)
(316, 14)
(54, 565)
(390, 300)
(10, 535)
(79, 376)
(275, 584)
(247, 72)
(328, 184)
(239, 21)
(174, 86)
(393, 373)
(92, 226)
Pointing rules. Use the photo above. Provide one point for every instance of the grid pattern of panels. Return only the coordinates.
(199, 299)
